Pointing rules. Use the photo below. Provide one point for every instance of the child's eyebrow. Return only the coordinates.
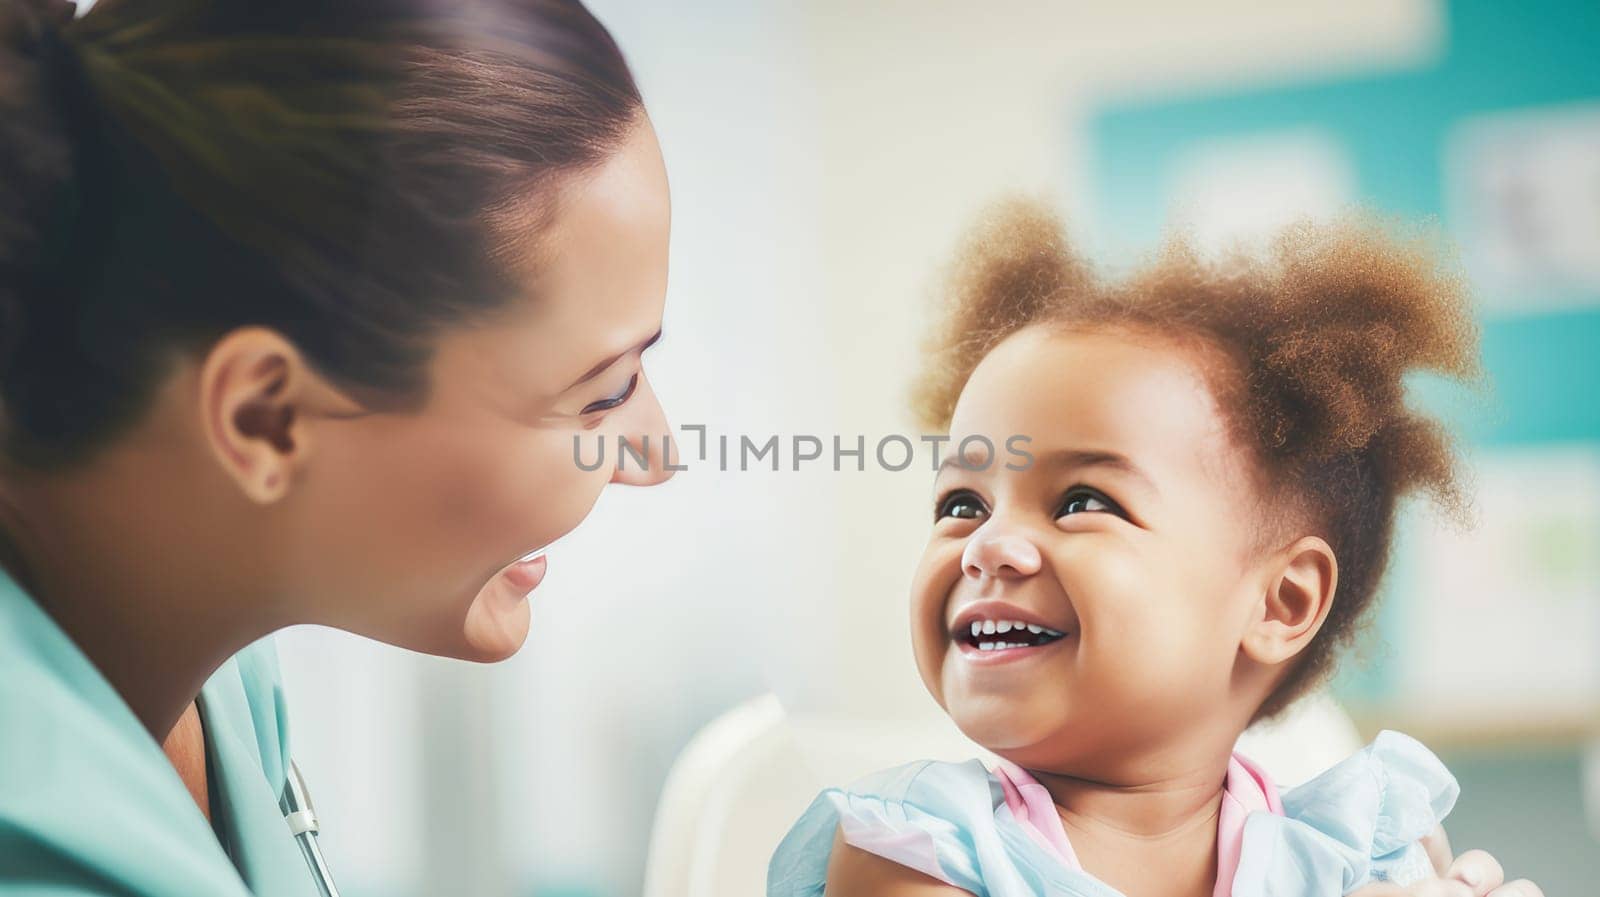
(1072, 458)
(1066, 459)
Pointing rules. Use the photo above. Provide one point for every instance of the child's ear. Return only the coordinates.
(1298, 596)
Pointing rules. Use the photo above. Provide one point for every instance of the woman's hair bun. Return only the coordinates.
(37, 157)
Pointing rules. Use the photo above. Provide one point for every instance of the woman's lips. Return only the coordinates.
(525, 576)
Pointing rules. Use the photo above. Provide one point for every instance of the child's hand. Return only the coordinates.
(1473, 874)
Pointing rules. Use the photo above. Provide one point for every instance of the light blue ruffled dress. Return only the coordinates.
(964, 824)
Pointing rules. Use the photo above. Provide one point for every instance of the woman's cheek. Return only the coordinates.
(511, 492)
(550, 492)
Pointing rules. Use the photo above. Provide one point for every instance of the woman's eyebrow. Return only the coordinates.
(595, 371)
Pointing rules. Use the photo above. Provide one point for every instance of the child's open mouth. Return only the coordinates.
(988, 636)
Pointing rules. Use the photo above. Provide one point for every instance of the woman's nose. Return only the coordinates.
(645, 449)
(1001, 552)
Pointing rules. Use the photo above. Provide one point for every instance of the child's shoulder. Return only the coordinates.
(1361, 820)
(945, 820)
(941, 806)
(927, 816)
(925, 783)
(1395, 781)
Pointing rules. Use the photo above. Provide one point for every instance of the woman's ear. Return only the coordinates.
(1296, 601)
(256, 394)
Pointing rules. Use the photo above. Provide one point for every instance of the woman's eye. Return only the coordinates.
(962, 506)
(1079, 501)
(609, 403)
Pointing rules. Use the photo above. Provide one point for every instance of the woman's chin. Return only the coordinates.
(496, 624)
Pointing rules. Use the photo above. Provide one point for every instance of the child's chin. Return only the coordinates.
(1002, 725)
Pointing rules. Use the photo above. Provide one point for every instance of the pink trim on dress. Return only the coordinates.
(1033, 809)
(1247, 789)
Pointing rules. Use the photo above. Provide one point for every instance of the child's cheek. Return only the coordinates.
(936, 575)
(1140, 631)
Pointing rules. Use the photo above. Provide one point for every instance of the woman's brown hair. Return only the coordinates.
(356, 175)
(1316, 339)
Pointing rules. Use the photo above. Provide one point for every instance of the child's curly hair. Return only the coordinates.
(1317, 337)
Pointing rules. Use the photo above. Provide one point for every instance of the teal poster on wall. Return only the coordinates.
(1496, 137)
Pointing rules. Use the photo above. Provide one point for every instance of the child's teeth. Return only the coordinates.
(992, 627)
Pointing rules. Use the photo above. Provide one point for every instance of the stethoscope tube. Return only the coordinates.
(302, 819)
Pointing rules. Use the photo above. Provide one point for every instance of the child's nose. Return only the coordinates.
(999, 552)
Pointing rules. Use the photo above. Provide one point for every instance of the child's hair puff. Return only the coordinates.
(1317, 336)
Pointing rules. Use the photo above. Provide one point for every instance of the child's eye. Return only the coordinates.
(1080, 500)
(614, 401)
(962, 505)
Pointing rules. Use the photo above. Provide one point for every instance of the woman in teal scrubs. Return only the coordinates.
(303, 306)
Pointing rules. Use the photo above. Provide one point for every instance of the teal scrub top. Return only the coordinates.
(89, 803)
